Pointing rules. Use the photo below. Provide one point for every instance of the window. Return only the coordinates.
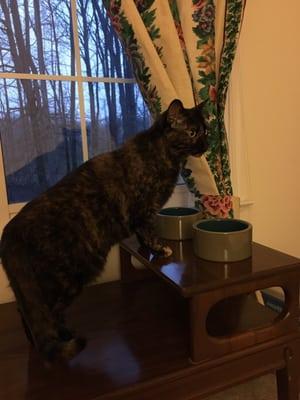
(67, 93)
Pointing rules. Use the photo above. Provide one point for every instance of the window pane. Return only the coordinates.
(100, 49)
(35, 37)
(114, 112)
(40, 134)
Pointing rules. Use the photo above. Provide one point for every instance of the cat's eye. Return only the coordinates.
(193, 133)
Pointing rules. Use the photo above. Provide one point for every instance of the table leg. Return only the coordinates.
(287, 378)
(128, 272)
(198, 334)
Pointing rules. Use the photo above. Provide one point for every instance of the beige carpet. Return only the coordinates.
(263, 388)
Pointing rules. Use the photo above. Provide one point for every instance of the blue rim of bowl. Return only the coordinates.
(194, 212)
(247, 226)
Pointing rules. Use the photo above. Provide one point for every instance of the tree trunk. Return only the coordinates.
(86, 57)
(74, 156)
(22, 62)
(27, 25)
(131, 106)
(41, 61)
(106, 53)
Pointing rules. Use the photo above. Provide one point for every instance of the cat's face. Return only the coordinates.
(186, 129)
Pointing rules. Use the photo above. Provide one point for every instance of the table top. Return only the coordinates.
(191, 274)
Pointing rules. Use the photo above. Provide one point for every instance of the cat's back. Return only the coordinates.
(55, 208)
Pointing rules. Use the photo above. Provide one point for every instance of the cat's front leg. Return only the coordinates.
(147, 237)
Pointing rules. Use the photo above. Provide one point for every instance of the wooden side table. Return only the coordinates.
(212, 288)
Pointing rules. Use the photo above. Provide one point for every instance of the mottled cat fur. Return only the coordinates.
(59, 241)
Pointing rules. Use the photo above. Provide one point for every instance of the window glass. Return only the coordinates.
(114, 113)
(100, 49)
(40, 134)
(36, 37)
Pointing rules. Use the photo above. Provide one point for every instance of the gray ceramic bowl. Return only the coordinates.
(176, 223)
(222, 239)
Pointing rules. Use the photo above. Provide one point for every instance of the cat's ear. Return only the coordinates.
(174, 111)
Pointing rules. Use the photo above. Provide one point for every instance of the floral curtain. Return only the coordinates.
(185, 49)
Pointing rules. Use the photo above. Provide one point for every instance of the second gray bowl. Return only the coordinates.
(222, 239)
(176, 223)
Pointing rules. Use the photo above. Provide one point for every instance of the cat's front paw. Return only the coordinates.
(162, 250)
(154, 245)
(166, 251)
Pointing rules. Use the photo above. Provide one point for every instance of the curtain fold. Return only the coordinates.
(185, 49)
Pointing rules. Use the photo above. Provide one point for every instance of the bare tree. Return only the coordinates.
(40, 50)
(83, 9)
(103, 41)
(22, 61)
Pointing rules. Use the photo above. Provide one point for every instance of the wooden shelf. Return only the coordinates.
(137, 339)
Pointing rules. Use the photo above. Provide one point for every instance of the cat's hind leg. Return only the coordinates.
(26, 328)
(39, 323)
(58, 313)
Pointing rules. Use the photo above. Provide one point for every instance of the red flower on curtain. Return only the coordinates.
(208, 12)
(180, 34)
(113, 10)
(143, 5)
(217, 206)
(116, 21)
(212, 93)
(199, 4)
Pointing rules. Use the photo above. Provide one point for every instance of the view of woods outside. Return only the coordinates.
(42, 122)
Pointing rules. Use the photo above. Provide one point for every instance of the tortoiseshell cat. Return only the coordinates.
(59, 241)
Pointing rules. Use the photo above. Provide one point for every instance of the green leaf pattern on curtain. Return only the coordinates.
(126, 34)
(148, 17)
(205, 85)
(233, 20)
(204, 17)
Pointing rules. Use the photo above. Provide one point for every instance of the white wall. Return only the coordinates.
(266, 104)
